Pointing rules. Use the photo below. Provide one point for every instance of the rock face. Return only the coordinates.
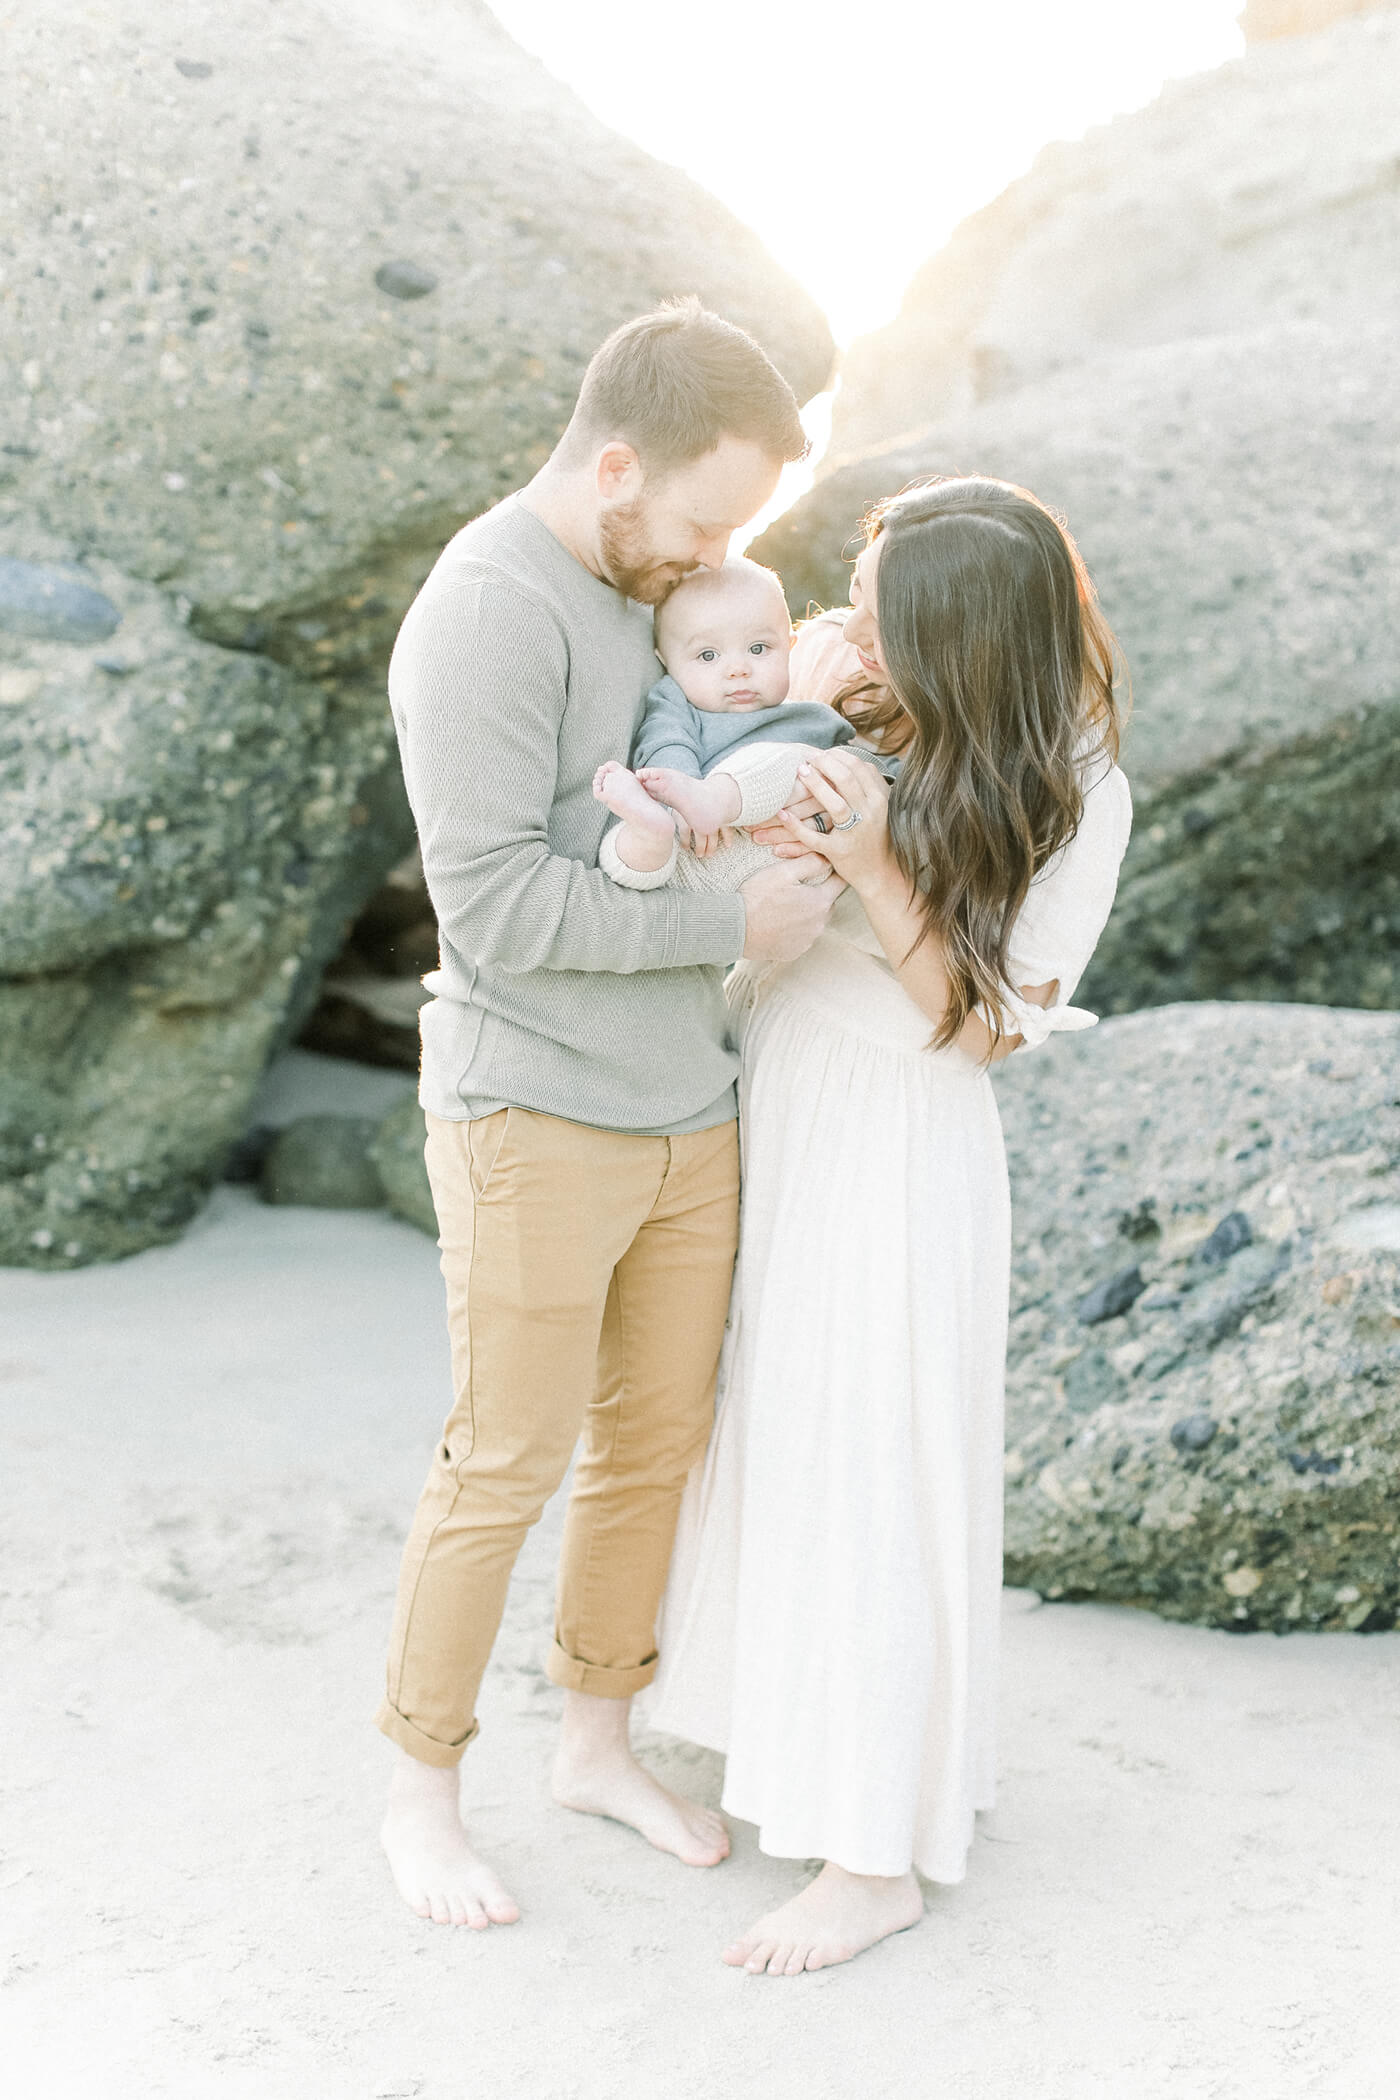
(1263, 20)
(185, 830)
(1254, 195)
(323, 1162)
(397, 1153)
(1180, 333)
(292, 293)
(1225, 1448)
(287, 295)
(1237, 504)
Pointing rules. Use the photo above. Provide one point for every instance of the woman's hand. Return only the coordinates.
(775, 833)
(854, 798)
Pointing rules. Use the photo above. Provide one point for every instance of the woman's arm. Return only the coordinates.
(860, 851)
(896, 921)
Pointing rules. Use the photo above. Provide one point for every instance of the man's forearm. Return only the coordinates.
(528, 909)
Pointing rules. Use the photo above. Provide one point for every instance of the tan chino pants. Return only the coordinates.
(588, 1275)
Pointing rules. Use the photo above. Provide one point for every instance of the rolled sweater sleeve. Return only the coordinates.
(478, 690)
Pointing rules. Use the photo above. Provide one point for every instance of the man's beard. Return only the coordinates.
(627, 562)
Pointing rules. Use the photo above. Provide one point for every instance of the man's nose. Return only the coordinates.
(712, 553)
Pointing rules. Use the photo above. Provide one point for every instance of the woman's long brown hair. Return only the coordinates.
(1004, 665)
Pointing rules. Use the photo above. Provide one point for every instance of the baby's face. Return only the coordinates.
(726, 645)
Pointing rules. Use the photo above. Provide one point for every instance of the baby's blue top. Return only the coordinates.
(691, 740)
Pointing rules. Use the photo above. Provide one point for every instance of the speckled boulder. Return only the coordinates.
(1226, 1449)
(288, 294)
(323, 1162)
(397, 1153)
(1265, 19)
(293, 291)
(1180, 331)
(1258, 193)
(1238, 502)
(184, 832)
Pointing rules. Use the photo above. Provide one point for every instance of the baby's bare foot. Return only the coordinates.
(612, 1783)
(625, 796)
(836, 1917)
(703, 806)
(435, 1870)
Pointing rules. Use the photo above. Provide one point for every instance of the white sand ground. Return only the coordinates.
(1189, 1887)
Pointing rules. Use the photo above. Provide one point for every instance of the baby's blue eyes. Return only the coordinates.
(707, 656)
(757, 648)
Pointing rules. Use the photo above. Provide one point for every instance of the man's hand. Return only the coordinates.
(787, 907)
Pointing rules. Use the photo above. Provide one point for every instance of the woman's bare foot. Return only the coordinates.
(596, 1773)
(836, 1917)
(434, 1868)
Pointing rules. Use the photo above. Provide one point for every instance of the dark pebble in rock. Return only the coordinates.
(1115, 1295)
(405, 280)
(1313, 1462)
(115, 666)
(48, 605)
(194, 68)
(1216, 1307)
(323, 1161)
(1140, 1223)
(1232, 1233)
(1194, 1432)
(1160, 1362)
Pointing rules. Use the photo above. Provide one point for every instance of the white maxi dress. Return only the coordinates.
(831, 1622)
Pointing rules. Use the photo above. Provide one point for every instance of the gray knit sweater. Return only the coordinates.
(515, 674)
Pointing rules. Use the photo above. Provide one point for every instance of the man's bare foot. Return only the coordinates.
(625, 796)
(836, 1917)
(596, 1773)
(434, 1868)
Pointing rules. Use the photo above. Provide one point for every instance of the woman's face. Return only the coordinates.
(861, 629)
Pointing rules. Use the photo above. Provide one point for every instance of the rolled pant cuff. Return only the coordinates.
(575, 1676)
(426, 1748)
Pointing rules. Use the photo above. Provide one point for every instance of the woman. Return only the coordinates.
(832, 1619)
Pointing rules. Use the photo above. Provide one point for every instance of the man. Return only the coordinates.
(577, 1081)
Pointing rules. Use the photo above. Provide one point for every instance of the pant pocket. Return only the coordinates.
(485, 1137)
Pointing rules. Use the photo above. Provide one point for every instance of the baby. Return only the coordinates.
(720, 742)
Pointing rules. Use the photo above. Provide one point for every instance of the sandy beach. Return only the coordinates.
(213, 1450)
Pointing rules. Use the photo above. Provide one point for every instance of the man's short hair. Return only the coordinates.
(674, 382)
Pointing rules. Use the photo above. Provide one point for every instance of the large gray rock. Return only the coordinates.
(323, 1163)
(1260, 193)
(1180, 331)
(292, 292)
(184, 832)
(397, 1153)
(1265, 19)
(1226, 1449)
(1238, 503)
(288, 295)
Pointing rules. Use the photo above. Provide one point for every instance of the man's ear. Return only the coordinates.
(618, 472)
